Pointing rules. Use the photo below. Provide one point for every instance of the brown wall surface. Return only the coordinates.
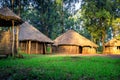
(74, 49)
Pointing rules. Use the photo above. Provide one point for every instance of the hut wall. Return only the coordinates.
(23, 46)
(40, 48)
(112, 50)
(5, 42)
(68, 49)
(55, 49)
(88, 50)
(118, 50)
(35, 48)
(93, 50)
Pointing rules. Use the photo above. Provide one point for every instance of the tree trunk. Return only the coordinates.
(103, 40)
(17, 28)
(62, 16)
(19, 7)
(12, 3)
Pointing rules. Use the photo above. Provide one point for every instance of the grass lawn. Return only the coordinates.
(45, 67)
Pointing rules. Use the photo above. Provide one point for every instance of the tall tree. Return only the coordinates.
(96, 15)
(116, 27)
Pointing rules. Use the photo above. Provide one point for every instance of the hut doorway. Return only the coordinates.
(80, 50)
(118, 47)
(44, 48)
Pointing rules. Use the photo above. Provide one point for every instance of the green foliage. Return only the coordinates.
(48, 49)
(41, 67)
(117, 37)
(97, 16)
(116, 27)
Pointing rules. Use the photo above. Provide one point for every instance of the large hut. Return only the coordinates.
(32, 41)
(8, 19)
(73, 42)
(112, 47)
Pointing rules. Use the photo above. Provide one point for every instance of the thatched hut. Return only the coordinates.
(7, 38)
(32, 40)
(112, 46)
(73, 42)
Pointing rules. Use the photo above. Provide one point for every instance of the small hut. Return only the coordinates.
(7, 37)
(112, 46)
(73, 42)
(32, 41)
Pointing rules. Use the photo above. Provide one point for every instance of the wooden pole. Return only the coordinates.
(17, 42)
(29, 47)
(26, 46)
(13, 54)
(50, 48)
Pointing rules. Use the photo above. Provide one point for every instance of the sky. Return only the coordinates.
(78, 5)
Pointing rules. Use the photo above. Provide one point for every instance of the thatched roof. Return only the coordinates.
(28, 32)
(6, 17)
(113, 42)
(73, 38)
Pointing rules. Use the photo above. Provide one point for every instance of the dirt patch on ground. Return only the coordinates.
(113, 56)
(76, 55)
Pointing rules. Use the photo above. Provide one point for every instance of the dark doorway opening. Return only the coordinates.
(118, 47)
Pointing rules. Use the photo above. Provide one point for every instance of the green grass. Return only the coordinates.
(45, 67)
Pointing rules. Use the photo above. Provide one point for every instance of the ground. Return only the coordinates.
(104, 55)
(61, 67)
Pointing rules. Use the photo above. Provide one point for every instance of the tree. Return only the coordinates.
(96, 15)
(116, 27)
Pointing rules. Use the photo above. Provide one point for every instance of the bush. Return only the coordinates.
(19, 53)
(48, 49)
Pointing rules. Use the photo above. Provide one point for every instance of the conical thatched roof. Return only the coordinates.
(6, 17)
(113, 42)
(28, 32)
(73, 38)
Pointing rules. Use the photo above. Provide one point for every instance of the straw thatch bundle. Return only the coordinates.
(6, 17)
(28, 32)
(113, 42)
(73, 38)
(73, 42)
(112, 47)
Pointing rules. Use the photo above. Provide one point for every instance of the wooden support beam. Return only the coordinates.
(13, 39)
(17, 36)
(29, 47)
(50, 48)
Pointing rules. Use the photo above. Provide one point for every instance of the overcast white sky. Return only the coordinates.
(78, 5)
